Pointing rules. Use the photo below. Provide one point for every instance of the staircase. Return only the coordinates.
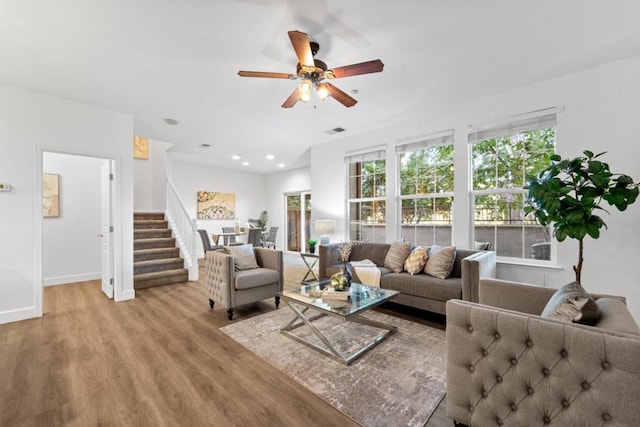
(156, 259)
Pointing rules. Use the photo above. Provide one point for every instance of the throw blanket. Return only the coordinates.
(367, 272)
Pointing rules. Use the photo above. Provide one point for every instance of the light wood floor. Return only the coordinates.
(158, 360)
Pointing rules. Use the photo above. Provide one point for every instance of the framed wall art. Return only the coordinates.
(215, 205)
(50, 195)
(140, 148)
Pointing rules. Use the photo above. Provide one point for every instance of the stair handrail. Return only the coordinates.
(184, 228)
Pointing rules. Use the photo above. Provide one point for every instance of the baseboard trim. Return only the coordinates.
(17, 315)
(74, 278)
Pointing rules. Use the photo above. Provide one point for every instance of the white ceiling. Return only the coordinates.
(178, 59)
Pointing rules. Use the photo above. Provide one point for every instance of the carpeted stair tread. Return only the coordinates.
(163, 264)
(151, 233)
(148, 216)
(155, 253)
(158, 278)
(161, 242)
(150, 224)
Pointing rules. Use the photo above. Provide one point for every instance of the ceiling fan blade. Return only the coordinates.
(340, 96)
(300, 42)
(374, 66)
(292, 99)
(266, 75)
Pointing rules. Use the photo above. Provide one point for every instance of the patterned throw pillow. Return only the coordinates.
(416, 260)
(243, 256)
(440, 262)
(572, 303)
(398, 253)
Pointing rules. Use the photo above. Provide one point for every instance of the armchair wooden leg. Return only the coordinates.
(458, 424)
(277, 301)
(211, 303)
(230, 313)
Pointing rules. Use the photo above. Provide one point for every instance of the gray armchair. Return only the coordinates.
(507, 365)
(230, 288)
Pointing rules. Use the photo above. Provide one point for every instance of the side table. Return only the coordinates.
(310, 260)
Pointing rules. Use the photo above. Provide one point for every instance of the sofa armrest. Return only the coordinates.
(515, 296)
(271, 258)
(219, 272)
(499, 361)
(474, 267)
(328, 255)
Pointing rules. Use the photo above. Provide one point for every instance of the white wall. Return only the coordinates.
(249, 188)
(601, 111)
(77, 228)
(278, 184)
(150, 177)
(31, 123)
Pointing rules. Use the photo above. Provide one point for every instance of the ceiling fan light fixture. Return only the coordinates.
(305, 88)
(323, 91)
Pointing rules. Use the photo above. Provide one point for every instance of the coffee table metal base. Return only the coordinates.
(346, 359)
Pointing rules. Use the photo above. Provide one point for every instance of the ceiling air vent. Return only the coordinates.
(335, 130)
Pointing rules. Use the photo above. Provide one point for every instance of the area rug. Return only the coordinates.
(398, 383)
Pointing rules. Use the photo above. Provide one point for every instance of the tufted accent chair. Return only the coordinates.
(231, 288)
(506, 365)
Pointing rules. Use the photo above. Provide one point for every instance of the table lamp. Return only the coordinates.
(324, 227)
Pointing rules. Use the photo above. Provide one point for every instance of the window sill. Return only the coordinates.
(530, 264)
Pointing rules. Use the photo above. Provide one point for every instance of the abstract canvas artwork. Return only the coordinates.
(214, 205)
(50, 195)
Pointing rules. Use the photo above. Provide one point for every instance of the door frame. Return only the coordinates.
(116, 197)
(303, 220)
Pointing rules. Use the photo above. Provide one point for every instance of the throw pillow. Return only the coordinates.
(416, 260)
(244, 257)
(345, 249)
(398, 253)
(440, 262)
(572, 303)
(481, 246)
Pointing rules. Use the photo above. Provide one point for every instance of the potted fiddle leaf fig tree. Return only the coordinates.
(568, 194)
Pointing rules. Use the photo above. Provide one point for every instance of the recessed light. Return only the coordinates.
(280, 165)
(236, 157)
(171, 122)
(205, 145)
(270, 156)
(245, 163)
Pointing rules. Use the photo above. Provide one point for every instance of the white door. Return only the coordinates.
(106, 230)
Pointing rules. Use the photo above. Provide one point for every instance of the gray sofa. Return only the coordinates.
(418, 290)
(507, 365)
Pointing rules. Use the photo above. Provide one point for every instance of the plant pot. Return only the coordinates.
(312, 249)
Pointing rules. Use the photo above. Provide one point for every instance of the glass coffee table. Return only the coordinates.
(308, 308)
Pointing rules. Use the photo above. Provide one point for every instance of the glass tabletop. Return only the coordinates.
(360, 298)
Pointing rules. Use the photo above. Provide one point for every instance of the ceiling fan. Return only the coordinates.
(314, 73)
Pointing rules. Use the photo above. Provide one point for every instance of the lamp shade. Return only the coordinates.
(324, 227)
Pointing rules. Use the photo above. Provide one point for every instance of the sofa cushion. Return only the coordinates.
(416, 260)
(243, 256)
(440, 262)
(396, 256)
(572, 303)
(424, 286)
(376, 252)
(247, 279)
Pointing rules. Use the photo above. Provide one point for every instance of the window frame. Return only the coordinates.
(372, 154)
(508, 128)
(444, 138)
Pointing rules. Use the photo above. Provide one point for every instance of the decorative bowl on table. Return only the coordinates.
(339, 282)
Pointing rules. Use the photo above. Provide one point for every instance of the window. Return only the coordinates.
(501, 159)
(426, 190)
(367, 189)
